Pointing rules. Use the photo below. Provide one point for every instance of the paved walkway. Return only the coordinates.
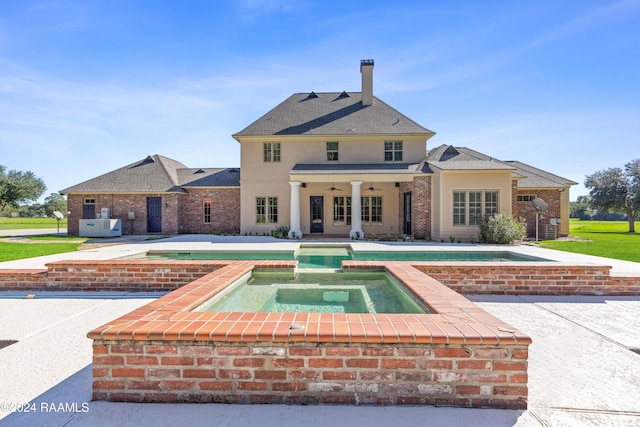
(584, 366)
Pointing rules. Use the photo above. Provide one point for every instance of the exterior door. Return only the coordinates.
(88, 211)
(407, 214)
(317, 214)
(154, 214)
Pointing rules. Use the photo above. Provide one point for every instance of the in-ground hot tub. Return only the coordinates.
(352, 292)
(167, 351)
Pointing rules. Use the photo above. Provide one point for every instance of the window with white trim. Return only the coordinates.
(271, 152)
(206, 211)
(526, 197)
(332, 151)
(393, 151)
(469, 206)
(266, 210)
(342, 210)
(371, 209)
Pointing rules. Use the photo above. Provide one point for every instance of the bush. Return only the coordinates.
(502, 229)
(281, 232)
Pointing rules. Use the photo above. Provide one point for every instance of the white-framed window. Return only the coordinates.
(271, 152)
(342, 210)
(393, 151)
(266, 210)
(475, 207)
(526, 197)
(371, 209)
(469, 206)
(206, 211)
(332, 151)
(491, 202)
(89, 201)
(459, 208)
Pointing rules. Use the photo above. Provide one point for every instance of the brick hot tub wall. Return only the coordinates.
(165, 352)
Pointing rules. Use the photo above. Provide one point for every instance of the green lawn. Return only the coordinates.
(10, 251)
(22, 223)
(610, 239)
(37, 245)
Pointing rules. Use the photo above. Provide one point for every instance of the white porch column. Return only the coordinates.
(294, 219)
(356, 212)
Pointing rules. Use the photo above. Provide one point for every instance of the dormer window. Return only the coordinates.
(393, 151)
(332, 151)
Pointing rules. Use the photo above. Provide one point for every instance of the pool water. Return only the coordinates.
(315, 293)
(332, 256)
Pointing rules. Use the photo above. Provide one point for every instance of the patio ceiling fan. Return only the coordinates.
(332, 188)
(372, 188)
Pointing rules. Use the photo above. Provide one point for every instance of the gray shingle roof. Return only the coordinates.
(537, 178)
(155, 174)
(209, 177)
(332, 113)
(447, 157)
(373, 168)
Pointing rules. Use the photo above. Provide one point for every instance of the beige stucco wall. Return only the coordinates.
(271, 179)
(450, 181)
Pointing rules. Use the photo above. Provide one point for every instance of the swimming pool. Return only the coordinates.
(362, 292)
(319, 256)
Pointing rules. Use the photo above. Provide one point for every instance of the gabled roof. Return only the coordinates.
(537, 178)
(447, 157)
(156, 174)
(332, 113)
(209, 177)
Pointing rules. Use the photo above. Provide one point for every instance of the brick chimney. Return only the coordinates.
(366, 69)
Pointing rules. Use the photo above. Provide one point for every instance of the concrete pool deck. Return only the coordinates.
(582, 370)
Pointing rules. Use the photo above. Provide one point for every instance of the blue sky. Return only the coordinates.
(89, 86)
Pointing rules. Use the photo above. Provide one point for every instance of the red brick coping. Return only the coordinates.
(459, 355)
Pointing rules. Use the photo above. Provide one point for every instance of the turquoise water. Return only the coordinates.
(315, 293)
(332, 257)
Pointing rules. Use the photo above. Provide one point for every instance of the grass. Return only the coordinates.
(609, 239)
(12, 250)
(36, 245)
(23, 223)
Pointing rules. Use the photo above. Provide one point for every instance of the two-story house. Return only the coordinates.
(342, 164)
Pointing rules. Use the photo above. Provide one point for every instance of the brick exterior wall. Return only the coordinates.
(420, 190)
(515, 211)
(181, 213)
(302, 373)
(225, 211)
(527, 211)
(120, 206)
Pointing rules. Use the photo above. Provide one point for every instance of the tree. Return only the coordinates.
(55, 202)
(581, 208)
(18, 187)
(618, 190)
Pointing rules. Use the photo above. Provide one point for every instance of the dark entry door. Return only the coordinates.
(88, 211)
(317, 214)
(407, 213)
(154, 214)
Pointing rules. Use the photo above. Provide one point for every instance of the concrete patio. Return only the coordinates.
(583, 364)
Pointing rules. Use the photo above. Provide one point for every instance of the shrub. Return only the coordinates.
(501, 228)
(281, 232)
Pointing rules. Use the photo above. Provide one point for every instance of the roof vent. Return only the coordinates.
(234, 170)
(198, 171)
(449, 153)
(149, 159)
(344, 94)
(312, 95)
